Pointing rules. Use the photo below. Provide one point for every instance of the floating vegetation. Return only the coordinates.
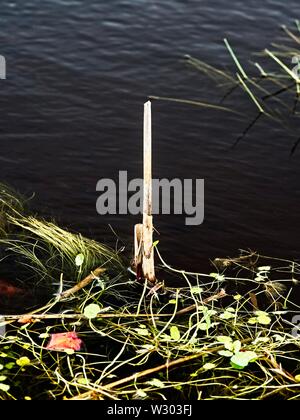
(228, 334)
(202, 341)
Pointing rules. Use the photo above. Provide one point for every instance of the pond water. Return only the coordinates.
(78, 73)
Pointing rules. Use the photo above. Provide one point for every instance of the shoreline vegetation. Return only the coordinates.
(76, 324)
(271, 83)
(101, 335)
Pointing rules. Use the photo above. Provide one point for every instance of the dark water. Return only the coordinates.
(78, 73)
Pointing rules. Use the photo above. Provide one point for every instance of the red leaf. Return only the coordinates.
(64, 341)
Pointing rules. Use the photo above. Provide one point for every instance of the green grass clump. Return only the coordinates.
(43, 256)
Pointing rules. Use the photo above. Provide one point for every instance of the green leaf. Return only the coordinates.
(142, 331)
(252, 321)
(91, 311)
(278, 337)
(209, 366)
(140, 393)
(252, 356)
(225, 353)
(10, 365)
(3, 378)
(148, 347)
(172, 302)
(203, 326)
(165, 337)
(232, 310)
(196, 290)
(26, 346)
(175, 333)
(239, 360)
(4, 387)
(206, 319)
(156, 382)
(217, 276)
(227, 315)
(23, 361)
(229, 346)
(263, 318)
(224, 339)
(79, 260)
(237, 345)
(297, 378)
(155, 243)
(83, 381)
(237, 367)
(242, 359)
(211, 312)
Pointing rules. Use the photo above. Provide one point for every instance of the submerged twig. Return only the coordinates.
(83, 283)
(219, 295)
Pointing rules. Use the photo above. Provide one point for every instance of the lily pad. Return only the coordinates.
(241, 360)
(23, 361)
(196, 290)
(4, 387)
(227, 315)
(91, 311)
(209, 366)
(175, 333)
(263, 318)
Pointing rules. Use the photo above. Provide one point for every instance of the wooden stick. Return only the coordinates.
(147, 239)
(138, 250)
(219, 295)
(83, 283)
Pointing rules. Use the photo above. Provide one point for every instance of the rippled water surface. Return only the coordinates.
(78, 72)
